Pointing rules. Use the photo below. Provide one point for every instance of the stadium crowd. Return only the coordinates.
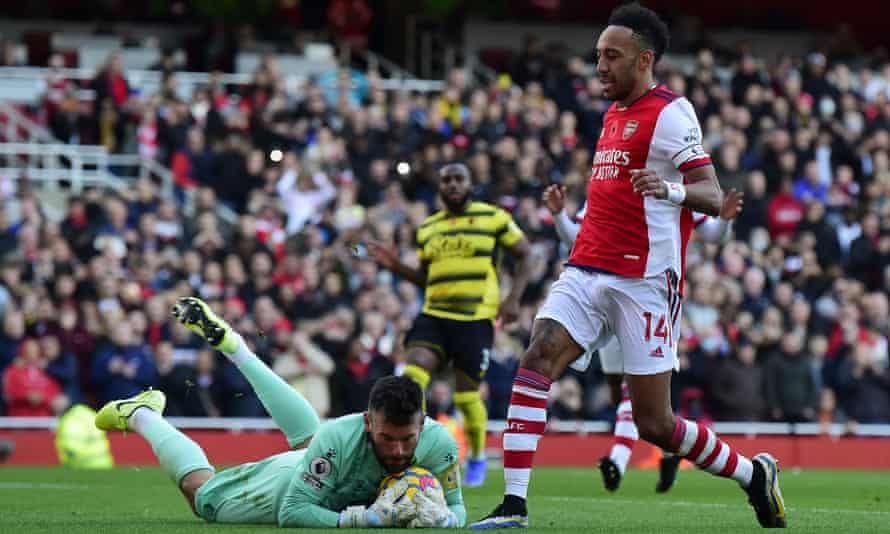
(787, 321)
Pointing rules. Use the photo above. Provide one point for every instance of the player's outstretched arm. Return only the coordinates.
(454, 497)
(315, 479)
(389, 259)
(565, 228)
(460, 513)
(442, 461)
(718, 229)
(509, 310)
(703, 191)
(554, 199)
(299, 508)
(511, 237)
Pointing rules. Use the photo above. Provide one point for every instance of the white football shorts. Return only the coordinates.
(637, 315)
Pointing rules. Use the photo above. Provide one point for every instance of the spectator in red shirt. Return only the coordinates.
(28, 389)
(784, 213)
(112, 95)
(112, 83)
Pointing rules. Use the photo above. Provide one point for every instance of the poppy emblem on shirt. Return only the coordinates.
(629, 128)
(320, 467)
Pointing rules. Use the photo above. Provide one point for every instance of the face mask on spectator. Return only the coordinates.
(854, 123)
(710, 344)
(827, 107)
(199, 110)
(759, 241)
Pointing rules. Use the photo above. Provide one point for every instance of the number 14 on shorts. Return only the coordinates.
(661, 331)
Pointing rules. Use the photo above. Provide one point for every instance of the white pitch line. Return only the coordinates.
(592, 500)
(42, 485)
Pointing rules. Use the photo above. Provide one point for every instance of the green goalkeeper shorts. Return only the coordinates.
(248, 493)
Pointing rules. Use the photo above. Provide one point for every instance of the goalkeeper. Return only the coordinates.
(331, 477)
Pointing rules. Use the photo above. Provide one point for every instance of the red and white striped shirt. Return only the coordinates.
(622, 232)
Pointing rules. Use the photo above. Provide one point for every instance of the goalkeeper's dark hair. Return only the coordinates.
(399, 398)
(649, 30)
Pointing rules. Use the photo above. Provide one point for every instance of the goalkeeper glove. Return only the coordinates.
(432, 511)
(380, 514)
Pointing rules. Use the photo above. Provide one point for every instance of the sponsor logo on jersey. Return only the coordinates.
(692, 136)
(453, 246)
(312, 481)
(611, 156)
(629, 128)
(607, 164)
(657, 353)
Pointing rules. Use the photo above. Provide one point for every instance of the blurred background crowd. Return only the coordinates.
(788, 320)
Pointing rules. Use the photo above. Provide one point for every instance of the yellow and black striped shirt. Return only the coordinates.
(461, 281)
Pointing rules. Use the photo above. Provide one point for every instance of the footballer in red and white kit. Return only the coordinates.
(623, 276)
(613, 466)
(627, 257)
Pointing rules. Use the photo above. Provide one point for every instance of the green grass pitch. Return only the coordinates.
(136, 500)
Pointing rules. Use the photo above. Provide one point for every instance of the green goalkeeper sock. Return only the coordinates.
(291, 411)
(176, 452)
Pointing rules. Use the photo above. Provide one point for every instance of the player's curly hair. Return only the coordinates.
(398, 397)
(650, 31)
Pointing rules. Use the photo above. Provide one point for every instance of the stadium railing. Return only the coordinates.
(32, 152)
(498, 426)
(22, 84)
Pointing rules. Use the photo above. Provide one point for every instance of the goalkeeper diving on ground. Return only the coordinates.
(332, 475)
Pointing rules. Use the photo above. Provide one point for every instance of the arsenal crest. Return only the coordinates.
(629, 128)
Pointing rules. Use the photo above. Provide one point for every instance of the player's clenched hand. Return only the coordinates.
(648, 184)
(406, 511)
(554, 198)
(432, 511)
(380, 514)
(732, 205)
(382, 254)
(384, 507)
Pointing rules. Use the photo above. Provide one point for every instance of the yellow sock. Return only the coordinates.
(420, 376)
(475, 420)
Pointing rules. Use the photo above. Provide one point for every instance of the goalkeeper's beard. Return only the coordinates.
(392, 464)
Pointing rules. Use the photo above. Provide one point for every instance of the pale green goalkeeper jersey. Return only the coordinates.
(339, 469)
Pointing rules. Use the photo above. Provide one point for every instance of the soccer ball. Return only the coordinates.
(418, 479)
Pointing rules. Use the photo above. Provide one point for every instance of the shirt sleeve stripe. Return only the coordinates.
(694, 163)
